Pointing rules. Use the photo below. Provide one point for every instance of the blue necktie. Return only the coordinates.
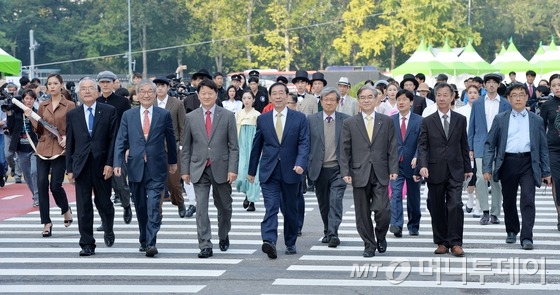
(90, 121)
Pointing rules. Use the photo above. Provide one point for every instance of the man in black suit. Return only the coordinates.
(192, 102)
(410, 83)
(443, 159)
(90, 139)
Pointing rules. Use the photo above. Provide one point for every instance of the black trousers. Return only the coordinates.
(57, 169)
(87, 181)
(516, 171)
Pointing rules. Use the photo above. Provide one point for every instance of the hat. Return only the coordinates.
(301, 75)
(254, 73)
(235, 77)
(493, 76)
(381, 82)
(343, 81)
(161, 80)
(106, 76)
(423, 87)
(202, 73)
(442, 77)
(282, 79)
(411, 78)
(318, 76)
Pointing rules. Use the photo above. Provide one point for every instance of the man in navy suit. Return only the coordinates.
(90, 139)
(532, 99)
(483, 112)
(407, 128)
(517, 146)
(145, 132)
(282, 138)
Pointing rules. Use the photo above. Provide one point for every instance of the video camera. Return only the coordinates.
(6, 103)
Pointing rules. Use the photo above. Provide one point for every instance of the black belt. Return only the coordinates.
(518, 155)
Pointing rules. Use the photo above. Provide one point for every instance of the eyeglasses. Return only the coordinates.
(87, 89)
(143, 92)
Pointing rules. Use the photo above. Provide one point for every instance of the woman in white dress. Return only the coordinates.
(389, 107)
(231, 104)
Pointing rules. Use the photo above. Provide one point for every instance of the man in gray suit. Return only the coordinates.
(209, 158)
(324, 169)
(347, 103)
(368, 144)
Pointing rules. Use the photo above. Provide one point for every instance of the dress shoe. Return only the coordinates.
(101, 228)
(457, 251)
(47, 233)
(142, 249)
(494, 219)
(68, 222)
(251, 207)
(190, 211)
(485, 219)
(206, 252)
(2, 181)
(334, 241)
(127, 215)
(18, 179)
(291, 250)
(269, 249)
(224, 244)
(151, 251)
(468, 210)
(397, 231)
(325, 240)
(368, 254)
(527, 245)
(441, 249)
(182, 210)
(511, 237)
(382, 246)
(558, 226)
(109, 239)
(245, 203)
(413, 232)
(87, 252)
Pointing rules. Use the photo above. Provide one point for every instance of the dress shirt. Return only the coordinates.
(519, 139)
(283, 119)
(364, 115)
(325, 116)
(441, 117)
(492, 108)
(162, 103)
(212, 112)
(150, 112)
(86, 113)
(407, 116)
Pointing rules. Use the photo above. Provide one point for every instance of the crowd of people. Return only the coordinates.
(163, 140)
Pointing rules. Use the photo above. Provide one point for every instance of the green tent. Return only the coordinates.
(550, 60)
(471, 58)
(538, 55)
(500, 55)
(513, 61)
(447, 57)
(9, 65)
(421, 61)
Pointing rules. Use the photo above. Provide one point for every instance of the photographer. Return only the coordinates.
(9, 157)
(23, 140)
(2, 155)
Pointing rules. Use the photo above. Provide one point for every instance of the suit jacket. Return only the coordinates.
(222, 148)
(407, 148)
(47, 144)
(350, 106)
(438, 153)
(532, 99)
(293, 151)
(317, 133)
(418, 105)
(79, 145)
(177, 111)
(131, 137)
(478, 130)
(308, 105)
(14, 123)
(495, 146)
(191, 102)
(359, 155)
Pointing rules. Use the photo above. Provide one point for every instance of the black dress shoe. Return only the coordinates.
(251, 207)
(494, 219)
(382, 246)
(151, 251)
(127, 215)
(396, 230)
(205, 253)
(224, 244)
(485, 219)
(269, 249)
(325, 240)
(467, 209)
(101, 228)
(511, 237)
(291, 250)
(368, 254)
(142, 249)
(527, 244)
(413, 232)
(190, 211)
(245, 203)
(109, 239)
(182, 211)
(334, 241)
(87, 252)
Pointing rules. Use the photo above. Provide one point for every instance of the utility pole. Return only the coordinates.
(32, 46)
(469, 15)
(129, 47)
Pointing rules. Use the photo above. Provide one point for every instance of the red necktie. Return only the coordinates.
(403, 133)
(530, 87)
(146, 124)
(208, 130)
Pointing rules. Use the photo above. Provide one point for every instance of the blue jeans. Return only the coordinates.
(28, 165)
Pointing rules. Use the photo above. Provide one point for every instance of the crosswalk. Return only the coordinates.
(32, 264)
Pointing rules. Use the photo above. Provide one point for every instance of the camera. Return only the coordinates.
(6, 103)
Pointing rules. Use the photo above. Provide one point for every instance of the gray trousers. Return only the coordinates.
(482, 191)
(329, 189)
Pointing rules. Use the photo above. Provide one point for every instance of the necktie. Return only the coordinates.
(208, 124)
(90, 121)
(369, 127)
(530, 87)
(146, 124)
(329, 119)
(278, 128)
(319, 106)
(342, 101)
(445, 125)
(403, 133)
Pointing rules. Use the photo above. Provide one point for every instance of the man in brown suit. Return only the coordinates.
(178, 114)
